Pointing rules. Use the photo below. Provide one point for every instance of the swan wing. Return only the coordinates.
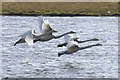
(28, 36)
(75, 38)
(46, 27)
(68, 37)
(40, 22)
(72, 44)
(23, 36)
(29, 40)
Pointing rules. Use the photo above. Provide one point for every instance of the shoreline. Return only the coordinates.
(60, 9)
(61, 15)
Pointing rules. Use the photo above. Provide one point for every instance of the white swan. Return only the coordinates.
(74, 38)
(45, 28)
(30, 35)
(45, 33)
(48, 37)
(73, 46)
(26, 37)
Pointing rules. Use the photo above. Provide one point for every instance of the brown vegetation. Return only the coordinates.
(60, 8)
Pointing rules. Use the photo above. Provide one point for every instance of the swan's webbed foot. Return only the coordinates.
(59, 45)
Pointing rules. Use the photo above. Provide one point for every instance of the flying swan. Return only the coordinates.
(73, 46)
(44, 27)
(74, 38)
(30, 35)
(26, 37)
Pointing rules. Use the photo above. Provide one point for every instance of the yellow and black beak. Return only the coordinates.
(54, 31)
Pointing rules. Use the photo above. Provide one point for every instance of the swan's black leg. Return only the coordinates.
(34, 41)
(61, 45)
(59, 54)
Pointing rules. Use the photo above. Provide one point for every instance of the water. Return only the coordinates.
(95, 62)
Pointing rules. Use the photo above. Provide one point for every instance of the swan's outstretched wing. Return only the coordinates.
(68, 37)
(23, 36)
(72, 44)
(29, 40)
(75, 38)
(28, 36)
(46, 27)
(40, 22)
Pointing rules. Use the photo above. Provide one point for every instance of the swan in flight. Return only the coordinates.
(48, 37)
(44, 27)
(30, 35)
(73, 46)
(26, 37)
(74, 38)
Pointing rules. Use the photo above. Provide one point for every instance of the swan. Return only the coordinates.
(74, 38)
(73, 47)
(26, 37)
(44, 27)
(48, 37)
(30, 35)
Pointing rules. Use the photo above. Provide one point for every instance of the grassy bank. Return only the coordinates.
(60, 8)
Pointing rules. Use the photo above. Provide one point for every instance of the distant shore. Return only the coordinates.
(22, 14)
(60, 8)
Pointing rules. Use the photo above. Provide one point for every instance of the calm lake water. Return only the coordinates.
(95, 62)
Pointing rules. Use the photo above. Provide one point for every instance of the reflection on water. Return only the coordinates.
(97, 62)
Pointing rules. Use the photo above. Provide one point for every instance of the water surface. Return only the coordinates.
(95, 62)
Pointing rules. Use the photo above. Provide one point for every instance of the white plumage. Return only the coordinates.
(27, 37)
(44, 26)
(70, 37)
(72, 45)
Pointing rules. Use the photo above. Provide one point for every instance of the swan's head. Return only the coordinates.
(71, 32)
(54, 31)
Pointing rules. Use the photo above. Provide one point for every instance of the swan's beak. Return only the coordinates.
(54, 31)
(74, 32)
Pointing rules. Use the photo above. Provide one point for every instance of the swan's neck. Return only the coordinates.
(62, 35)
(86, 40)
(81, 48)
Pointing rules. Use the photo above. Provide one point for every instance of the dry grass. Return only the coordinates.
(48, 8)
